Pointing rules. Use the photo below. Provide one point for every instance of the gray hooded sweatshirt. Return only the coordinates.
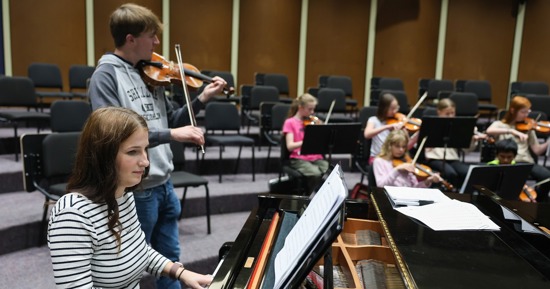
(116, 82)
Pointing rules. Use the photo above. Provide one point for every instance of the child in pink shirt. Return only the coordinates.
(311, 166)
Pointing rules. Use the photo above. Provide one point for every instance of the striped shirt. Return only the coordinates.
(85, 253)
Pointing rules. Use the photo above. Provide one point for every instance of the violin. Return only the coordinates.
(528, 194)
(421, 171)
(528, 124)
(160, 72)
(412, 125)
(311, 120)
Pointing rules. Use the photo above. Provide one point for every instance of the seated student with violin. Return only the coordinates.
(312, 166)
(453, 169)
(387, 119)
(392, 167)
(509, 128)
(506, 151)
(117, 81)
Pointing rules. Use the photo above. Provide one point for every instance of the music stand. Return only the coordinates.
(447, 132)
(506, 181)
(333, 138)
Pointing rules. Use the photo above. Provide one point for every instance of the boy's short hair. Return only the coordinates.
(132, 19)
(506, 145)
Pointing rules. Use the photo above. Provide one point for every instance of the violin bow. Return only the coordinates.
(330, 111)
(419, 150)
(542, 182)
(186, 90)
(417, 104)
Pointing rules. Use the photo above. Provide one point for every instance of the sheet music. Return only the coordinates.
(450, 215)
(318, 213)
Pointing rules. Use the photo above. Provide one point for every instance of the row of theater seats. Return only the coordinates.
(48, 82)
(437, 89)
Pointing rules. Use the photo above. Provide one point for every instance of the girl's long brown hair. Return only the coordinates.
(384, 104)
(94, 173)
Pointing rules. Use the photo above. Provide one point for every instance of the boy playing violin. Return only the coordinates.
(526, 142)
(117, 82)
(400, 173)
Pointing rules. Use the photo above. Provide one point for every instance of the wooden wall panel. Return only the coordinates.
(102, 12)
(479, 44)
(337, 42)
(269, 38)
(406, 42)
(203, 29)
(535, 59)
(42, 32)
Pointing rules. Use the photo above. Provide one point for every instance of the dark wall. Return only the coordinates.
(480, 35)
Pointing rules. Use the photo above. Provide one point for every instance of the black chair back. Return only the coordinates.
(17, 91)
(221, 116)
(69, 115)
(325, 96)
(340, 81)
(466, 103)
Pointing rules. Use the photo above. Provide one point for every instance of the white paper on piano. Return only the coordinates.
(451, 215)
(322, 207)
(403, 196)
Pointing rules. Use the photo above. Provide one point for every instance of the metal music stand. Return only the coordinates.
(505, 180)
(447, 132)
(333, 138)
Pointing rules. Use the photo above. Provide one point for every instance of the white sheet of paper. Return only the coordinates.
(451, 215)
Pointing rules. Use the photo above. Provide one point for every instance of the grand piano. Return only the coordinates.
(517, 256)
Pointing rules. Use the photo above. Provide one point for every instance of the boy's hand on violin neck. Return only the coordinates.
(188, 134)
(212, 89)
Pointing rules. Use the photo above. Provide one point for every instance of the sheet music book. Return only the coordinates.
(321, 210)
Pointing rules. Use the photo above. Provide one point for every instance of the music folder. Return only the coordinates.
(312, 235)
